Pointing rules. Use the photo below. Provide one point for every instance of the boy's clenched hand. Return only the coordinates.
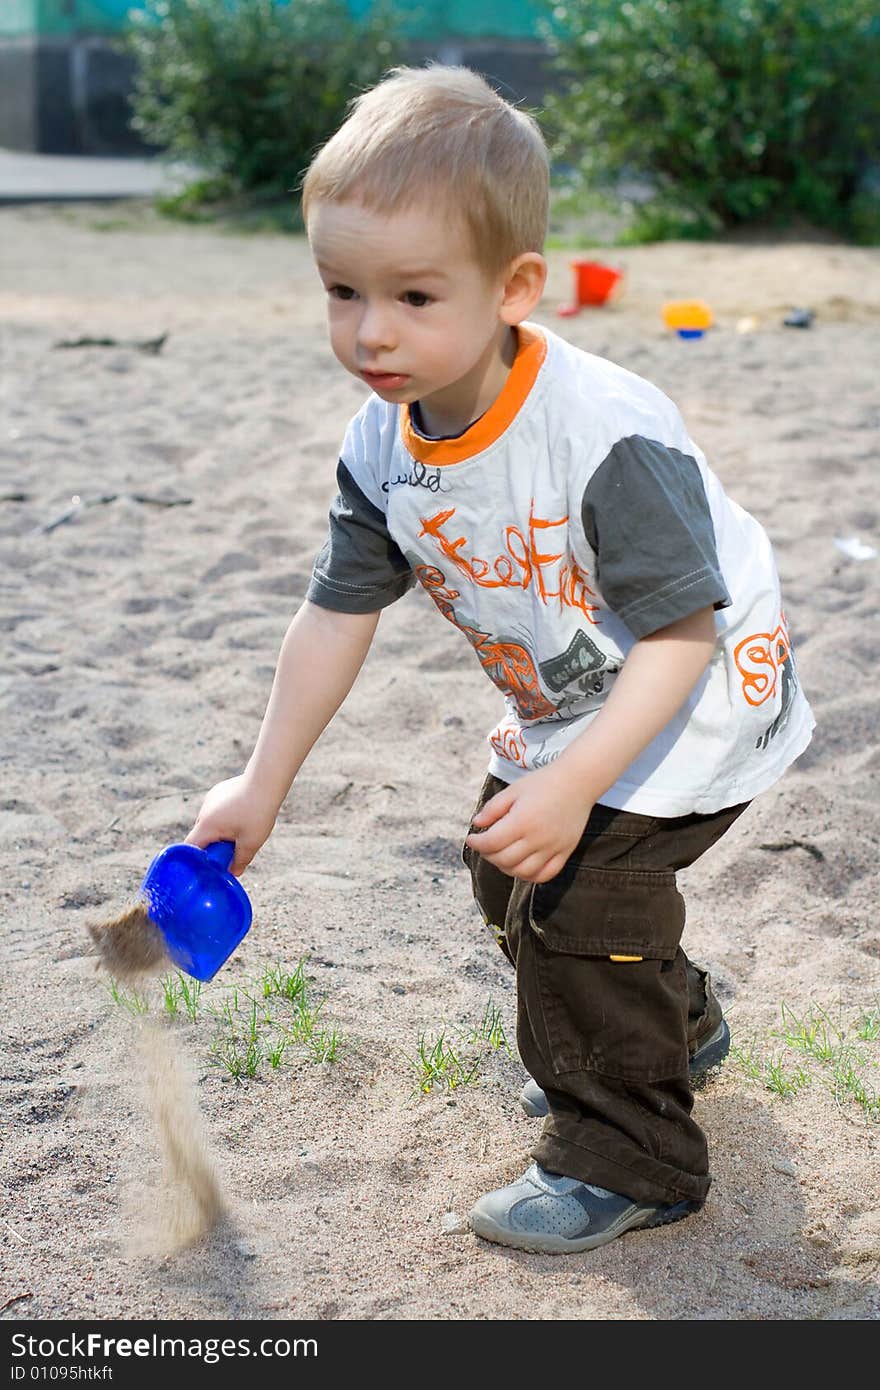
(533, 825)
(536, 822)
(234, 810)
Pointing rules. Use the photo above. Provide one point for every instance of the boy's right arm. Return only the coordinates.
(321, 654)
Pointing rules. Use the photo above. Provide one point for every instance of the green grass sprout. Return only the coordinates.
(324, 1046)
(820, 1045)
(437, 1064)
(274, 1020)
(275, 1051)
(288, 985)
(131, 1001)
(490, 1031)
(238, 1055)
(785, 1083)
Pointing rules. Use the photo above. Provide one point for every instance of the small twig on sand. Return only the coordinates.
(160, 501)
(16, 1298)
(13, 1231)
(796, 844)
(151, 345)
(103, 501)
(72, 511)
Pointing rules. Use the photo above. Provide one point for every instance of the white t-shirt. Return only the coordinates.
(573, 518)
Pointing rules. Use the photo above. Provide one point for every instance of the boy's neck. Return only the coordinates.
(451, 411)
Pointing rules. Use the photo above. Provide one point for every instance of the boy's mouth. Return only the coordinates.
(385, 381)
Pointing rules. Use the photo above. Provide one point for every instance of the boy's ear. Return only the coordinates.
(523, 287)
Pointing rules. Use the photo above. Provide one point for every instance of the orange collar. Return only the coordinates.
(483, 432)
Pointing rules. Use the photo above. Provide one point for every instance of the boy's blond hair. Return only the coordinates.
(441, 135)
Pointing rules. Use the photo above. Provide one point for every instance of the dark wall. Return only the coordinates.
(17, 93)
(519, 70)
(66, 95)
(69, 95)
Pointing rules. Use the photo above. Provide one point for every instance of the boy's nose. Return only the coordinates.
(375, 330)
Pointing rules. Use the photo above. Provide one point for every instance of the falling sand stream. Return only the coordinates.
(131, 949)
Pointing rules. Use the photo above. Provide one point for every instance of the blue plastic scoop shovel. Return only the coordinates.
(201, 910)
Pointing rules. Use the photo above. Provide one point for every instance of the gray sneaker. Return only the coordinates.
(709, 1054)
(553, 1215)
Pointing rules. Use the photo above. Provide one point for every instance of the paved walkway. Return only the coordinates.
(53, 178)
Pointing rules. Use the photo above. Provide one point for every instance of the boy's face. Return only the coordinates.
(411, 313)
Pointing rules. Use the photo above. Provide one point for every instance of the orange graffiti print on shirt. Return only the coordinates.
(522, 565)
(513, 671)
(509, 743)
(433, 581)
(760, 659)
(507, 664)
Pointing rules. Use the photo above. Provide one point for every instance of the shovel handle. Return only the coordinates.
(222, 852)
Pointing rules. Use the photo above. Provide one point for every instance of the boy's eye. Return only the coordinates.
(415, 298)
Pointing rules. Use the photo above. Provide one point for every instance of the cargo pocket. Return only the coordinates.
(609, 972)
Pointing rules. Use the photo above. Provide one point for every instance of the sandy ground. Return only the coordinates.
(140, 641)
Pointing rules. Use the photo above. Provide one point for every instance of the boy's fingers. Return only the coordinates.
(495, 807)
(200, 836)
(521, 861)
(203, 835)
(498, 838)
(488, 842)
(528, 867)
(550, 869)
(508, 857)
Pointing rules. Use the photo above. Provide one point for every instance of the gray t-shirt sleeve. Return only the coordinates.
(360, 567)
(647, 517)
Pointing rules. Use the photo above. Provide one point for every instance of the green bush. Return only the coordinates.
(247, 89)
(736, 110)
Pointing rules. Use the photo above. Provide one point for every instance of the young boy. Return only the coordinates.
(557, 513)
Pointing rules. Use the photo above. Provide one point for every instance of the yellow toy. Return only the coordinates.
(689, 317)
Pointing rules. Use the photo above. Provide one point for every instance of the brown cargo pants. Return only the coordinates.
(609, 1007)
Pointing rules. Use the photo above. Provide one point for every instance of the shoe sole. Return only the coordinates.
(534, 1110)
(705, 1059)
(711, 1054)
(488, 1229)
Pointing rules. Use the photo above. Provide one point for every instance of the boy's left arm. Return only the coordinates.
(530, 829)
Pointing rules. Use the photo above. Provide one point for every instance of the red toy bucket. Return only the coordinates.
(593, 282)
